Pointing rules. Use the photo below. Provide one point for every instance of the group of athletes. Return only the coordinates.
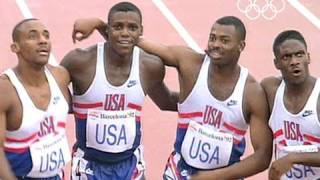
(217, 102)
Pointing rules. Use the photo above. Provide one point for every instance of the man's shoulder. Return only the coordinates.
(7, 91)
(83, 52)
(149, 60)
(79, 58)
(79, 55)
(270, 83)
(60, 73)
(5, 82)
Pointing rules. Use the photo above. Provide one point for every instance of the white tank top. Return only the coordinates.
(49, 121)
(42, 132)
(103, 97)
(201, 106)
(296, 132)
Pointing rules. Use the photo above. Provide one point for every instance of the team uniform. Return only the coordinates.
(108, 128)
(296, 132)
(210, 132)
(39, 148)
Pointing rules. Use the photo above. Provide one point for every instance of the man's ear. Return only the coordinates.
(141, 32)
(15, 47)
(242, 45)
(106, 31)
(106, 28)
(309, 59)
(276, 63)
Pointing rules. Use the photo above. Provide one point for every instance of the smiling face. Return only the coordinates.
(293, 60)
(224, 45)
(32, 43)
(124, 30)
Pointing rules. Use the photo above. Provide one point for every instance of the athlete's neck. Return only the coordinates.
(113, 58)
(30, 75)
(300, 88)
(225, 71)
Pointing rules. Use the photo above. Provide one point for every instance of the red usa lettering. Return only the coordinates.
(114, 102)
(292, 131)
(212, 116)
(47, 126)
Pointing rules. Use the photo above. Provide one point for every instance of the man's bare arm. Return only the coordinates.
(170, 55)
(154, 72)
(5, 170)
(83, 28)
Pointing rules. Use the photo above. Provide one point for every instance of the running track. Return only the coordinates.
(196, 17)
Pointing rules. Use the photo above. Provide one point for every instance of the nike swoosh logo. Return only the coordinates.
(307, 113)
(232, 103)
(131, 83)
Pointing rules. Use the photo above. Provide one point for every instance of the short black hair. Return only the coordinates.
(236, 22)
(15, 34)
(124, 7)
(286, 35)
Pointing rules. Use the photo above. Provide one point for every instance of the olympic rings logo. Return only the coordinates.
(268, 10)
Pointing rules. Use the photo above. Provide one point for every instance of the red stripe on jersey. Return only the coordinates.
(134, 106)
(312, 138)
(277, 133)
(22, 140)
(183, 125)
(236, 141)
(62, 124)
(190, 115)
(234, 129)
(16, 150)
(307, 143)
(138, 118)
(283, 142)
(80, 115)
(88, 105)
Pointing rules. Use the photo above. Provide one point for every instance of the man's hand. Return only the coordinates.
(279, 167)
(83, 28)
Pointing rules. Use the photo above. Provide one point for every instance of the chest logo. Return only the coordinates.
(307, 113)
(232, 103)
(131, 83)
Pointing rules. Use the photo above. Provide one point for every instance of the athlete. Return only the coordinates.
(110, 81)
(294, 103)
(33, 109)
(218, 101)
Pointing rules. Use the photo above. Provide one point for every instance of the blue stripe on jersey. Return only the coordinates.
(100, 156)
(21, 163)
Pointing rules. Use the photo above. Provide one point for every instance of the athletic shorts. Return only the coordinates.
(177, 169)
(130, 169)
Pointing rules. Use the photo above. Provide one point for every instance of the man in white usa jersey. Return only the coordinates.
(219, 100)
(33, 110)
(294, 104)
(110, 82)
